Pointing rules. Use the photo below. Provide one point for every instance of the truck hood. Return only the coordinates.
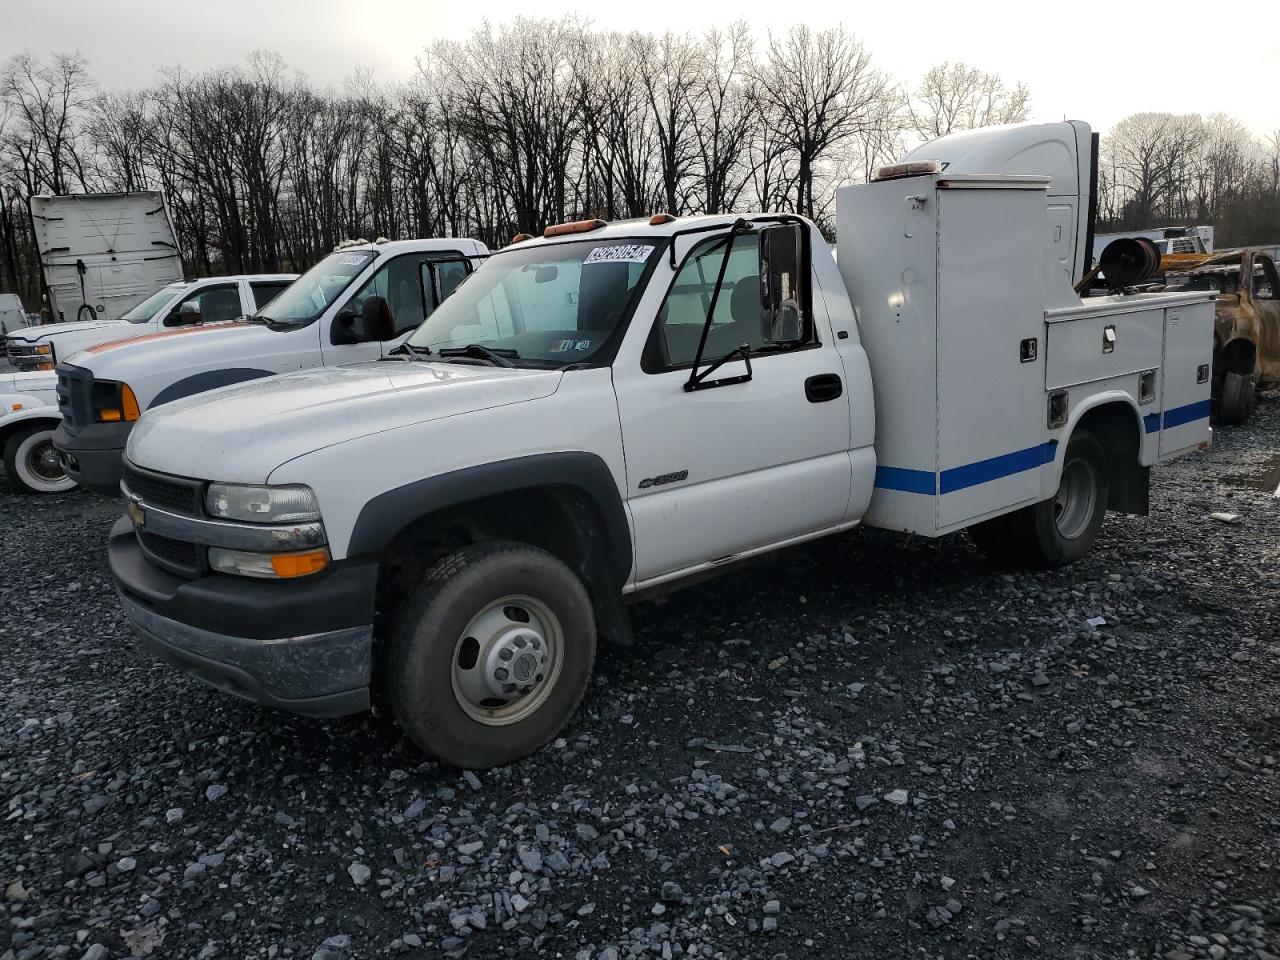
(244, 432)
(159, 350)
(31, 382)
(51, 331)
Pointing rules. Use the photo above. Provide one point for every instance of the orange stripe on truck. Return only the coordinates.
(112, 344)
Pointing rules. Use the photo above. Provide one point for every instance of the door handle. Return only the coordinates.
(823, 387)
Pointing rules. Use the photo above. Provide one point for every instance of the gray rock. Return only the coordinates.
(214, 791)
(865, 801)
(780, 825)
(96, 951)
(530, 859)
(359, 873)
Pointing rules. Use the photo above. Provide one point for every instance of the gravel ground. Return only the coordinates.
(872, 746)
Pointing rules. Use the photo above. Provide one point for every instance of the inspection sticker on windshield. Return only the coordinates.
(624, 253)
(354, 258)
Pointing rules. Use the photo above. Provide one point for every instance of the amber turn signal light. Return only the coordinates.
(299, 564)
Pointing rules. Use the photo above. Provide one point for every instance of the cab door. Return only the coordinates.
(404, 282)
(720, 471)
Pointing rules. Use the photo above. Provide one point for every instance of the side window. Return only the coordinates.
(446, 280)
(1266, 285)
(738, 318)
(217, 303)
(400, 283)
(264, 292)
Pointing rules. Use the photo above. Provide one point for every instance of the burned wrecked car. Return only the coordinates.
(1246, 335)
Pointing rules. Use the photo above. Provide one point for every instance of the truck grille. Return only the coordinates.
(176, 494)
(176, 556)
(75, 397)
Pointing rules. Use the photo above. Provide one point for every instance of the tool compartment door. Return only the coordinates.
(991, 294)
(1184, 400)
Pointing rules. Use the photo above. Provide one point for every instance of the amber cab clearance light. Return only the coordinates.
(520, 238)
(577, 226)
(658, 219)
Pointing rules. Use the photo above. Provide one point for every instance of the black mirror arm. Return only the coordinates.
(699, 381)
(740, 226)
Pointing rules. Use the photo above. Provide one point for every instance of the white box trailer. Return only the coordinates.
(101, 253)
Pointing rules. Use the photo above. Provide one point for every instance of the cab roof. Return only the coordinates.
(640, 227)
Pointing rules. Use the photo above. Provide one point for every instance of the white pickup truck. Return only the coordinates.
(320, 320)
(31, 463)
(610, 410)
(179, 304)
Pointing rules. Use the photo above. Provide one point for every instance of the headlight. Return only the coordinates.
(113, 402)
(261, 504)
(43, 350)
(276, 566)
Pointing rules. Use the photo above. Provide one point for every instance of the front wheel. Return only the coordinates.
(1237, 400)
(1059, 530)
(31, 465)
(491, 655)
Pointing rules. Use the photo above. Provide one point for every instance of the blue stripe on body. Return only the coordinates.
(1007, 464)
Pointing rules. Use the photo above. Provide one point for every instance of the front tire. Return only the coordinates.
(1237, 400)
(1059, 530)
(31, 465)
(491, 655)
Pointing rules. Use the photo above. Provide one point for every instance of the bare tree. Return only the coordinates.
(821, 90)
(956, 96)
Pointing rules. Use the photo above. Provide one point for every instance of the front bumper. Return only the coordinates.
(93, 456)
(305, 646)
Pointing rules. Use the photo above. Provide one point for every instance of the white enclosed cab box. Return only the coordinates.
(12, 316)
(101, 253)
(985, 360)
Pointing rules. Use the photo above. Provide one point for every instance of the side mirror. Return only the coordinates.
(784, 270)
(377, 322)
(189, 313)
(344, 332)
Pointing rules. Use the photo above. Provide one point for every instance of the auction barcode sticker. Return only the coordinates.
(623, 253)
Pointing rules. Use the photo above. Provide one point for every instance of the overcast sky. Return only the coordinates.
(1128, 57)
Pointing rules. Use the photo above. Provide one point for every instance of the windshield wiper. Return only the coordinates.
(409, 352)
(500, 357)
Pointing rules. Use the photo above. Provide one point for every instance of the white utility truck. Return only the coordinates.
(613, 409)
(359, 303)
(31, 463)
(102, 252)
(179, 304)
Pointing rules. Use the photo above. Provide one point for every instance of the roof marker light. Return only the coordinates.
(575, 226)
(912, 168)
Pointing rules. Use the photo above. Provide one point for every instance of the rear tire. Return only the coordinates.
(1237, 400)
(31, 464)
(490, 657)
(1063, 528)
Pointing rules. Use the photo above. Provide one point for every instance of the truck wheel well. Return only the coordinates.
(559, 519)
(8, 430)
(1117, 428)
(1236, 356)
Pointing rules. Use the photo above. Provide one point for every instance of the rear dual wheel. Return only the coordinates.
(491, 655)
(1059, 530)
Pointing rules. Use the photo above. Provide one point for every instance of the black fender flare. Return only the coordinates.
(386, 515)
(209, 380)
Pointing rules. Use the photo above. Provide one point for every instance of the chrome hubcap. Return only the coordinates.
(506, 662)
(1076, 499)
(42, 461)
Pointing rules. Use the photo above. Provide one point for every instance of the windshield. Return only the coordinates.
(308, 296)
(148, 308)
(557, 304)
